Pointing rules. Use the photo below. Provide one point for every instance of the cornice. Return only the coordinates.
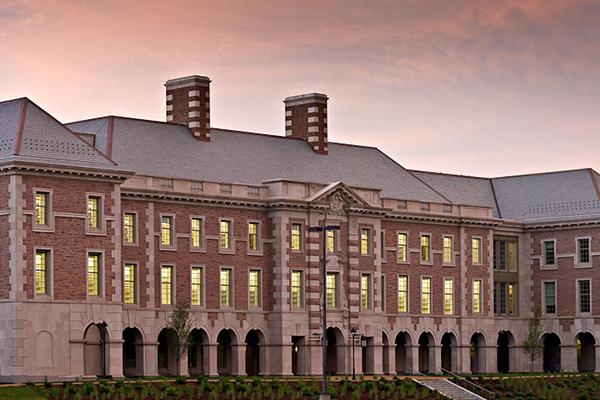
(32, 168)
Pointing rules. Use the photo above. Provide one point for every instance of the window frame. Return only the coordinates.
(452, 262)
(173, 232)
(421, 293)
(382, 289)
(451, 279)
(543, 263)
(259, 244)
(202, 269)
(260, 284)
(171, 284)
(407, 293)
(578, 262)
(407, 251)
(231, 248)
(101, 272)
(302, 285)
(479, 262)
(421, 260)
(202, 247)
(101, 229)
(336, 240)
(578, 300)
(369, 251)
(544, 303)
(300, 237)
(369, 289)
(231, 288)
(382, 249)
(49, 226)
(135, 228)
(337, 289)
(135, 284)
(49, 274)
(479, 296)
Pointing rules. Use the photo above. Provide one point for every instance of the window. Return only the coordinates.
(253, 236)
(550, 297)
(93, 212)
(584, 295)
(402, 253)
(197, 286)
(254, 288)
(511, 256)
(448, 296)
(297, 289)
(505, 255)
(93, 274)
(365, 292)
(166, 284)
(512, 304)
(42, 200)
(502, 295)
(505, 298)
(583, 250)
(382, 292)
(166, 231)
(332, 241)
(425, 248)
(549, 252)
(196, 232)
(476, 247)
(225, 235)
(296, 237)
(426, 295)
(129, 230)
(476, 296)
(225, 283)
(331, 289)
(129, 286)
(365, 241)
(382, 244)
(402, 293)
(42, 273)
(448, 250)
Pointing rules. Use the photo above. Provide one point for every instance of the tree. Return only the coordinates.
(533, 345)
(181, 322)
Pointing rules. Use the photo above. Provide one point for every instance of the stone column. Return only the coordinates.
(491, 358)
(568, 357)
(392, 359)
(438, 359)
(150, 359)
(114, 359)
(212, 360)
(239, 361)
(464, 358)
(315, 357)
(414, 362)
(183, 366)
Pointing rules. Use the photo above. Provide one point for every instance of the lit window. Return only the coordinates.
(402, 293)
(296, 237)
(448, 296)
(41, 208)
(331, 289)
(196, 232)
(583, 250)
(254, 288)
(297, 289)
(512, 304)
(584, 296)
(129, 231)
(476, 296)
(42, 261)
(331, 241)
(511, 256)
(549, 252)
(225, 235)
(425, 248)
(253, 236)
(550, 297)
(129, 286)
(476, 248)
(365, 239)
(166, 284)
(166, 231)
(225, 283)
(448, 251)
(93, 274)
(197, 286)
(426, 295)
(365, 292)
(402, 253)
(93, 212)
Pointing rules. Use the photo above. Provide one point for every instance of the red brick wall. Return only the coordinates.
(4, 240)
(478, 271)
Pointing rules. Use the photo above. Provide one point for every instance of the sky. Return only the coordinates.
(485, 88)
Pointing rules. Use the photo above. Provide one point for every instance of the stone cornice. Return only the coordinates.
(33, 168)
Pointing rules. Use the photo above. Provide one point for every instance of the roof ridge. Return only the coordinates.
(15, 99)
(448, 174)
(543, 173)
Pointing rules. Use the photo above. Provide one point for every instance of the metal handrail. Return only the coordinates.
(482, 390)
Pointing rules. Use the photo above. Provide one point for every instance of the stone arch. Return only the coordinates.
(426, 352)
(198, 353)
(449, 349)
(477, 352)
(167, 359)
(227, 341)
(551, 355)
(95, 349)
(586, 352)
(404, 360)
(133, 352)
(336, 350)
(505, 352)
(44, 350)
(255, 356)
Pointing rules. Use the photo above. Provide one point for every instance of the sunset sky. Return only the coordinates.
(484, 88)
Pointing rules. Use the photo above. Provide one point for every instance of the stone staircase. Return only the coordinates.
(449, 389)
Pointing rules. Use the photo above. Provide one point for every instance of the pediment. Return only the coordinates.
(339, 197)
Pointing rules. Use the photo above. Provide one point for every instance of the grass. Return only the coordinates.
(20, 392)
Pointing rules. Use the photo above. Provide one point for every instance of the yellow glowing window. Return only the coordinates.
(254, 288)
(365, 239)
(511, 249)
(129, 228)
(425, 248)
(197, 286)
(297, 290)
(476, 247)
(129, 286)
(332, 241)
(225, 234)
(426, 295)
(93, 274)
(93, 212)
(166, 284)
(511, 299)
(253, 236)
(448, 250)
(41, 272)
(166, 231)
(225, 282)
(448, 296)
(296, 238)
(41, 208)
(402, 293)
(331, 289)
(365, 292)
(196, 232)
(476, 296)
(402, 247)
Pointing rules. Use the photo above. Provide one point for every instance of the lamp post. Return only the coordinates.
(354, 335)
(324, 229)
(363, 346)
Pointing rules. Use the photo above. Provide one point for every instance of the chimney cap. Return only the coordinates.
(185, 81)
(306, 98)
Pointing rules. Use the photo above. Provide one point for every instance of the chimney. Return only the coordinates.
(306, 118)
(188, 103)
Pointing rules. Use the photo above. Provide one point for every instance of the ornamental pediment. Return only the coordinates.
(339, 197)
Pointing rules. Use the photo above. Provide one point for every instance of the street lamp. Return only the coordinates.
(354, 335)
(324, 229)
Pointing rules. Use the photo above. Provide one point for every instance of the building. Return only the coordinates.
(107, 223)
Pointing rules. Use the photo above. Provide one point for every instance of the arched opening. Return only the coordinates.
(403, 353)
(226, 362)
(505, 348)
(167, 359)
(367, 344)
(95, 349)
(298, 355)
(335, 351)
(254, 364)
(551, 352)
(449, 348)
(586, 352)
(385, 356)
(198, 360)
(133, 353)
(477, 353)
(426, 353)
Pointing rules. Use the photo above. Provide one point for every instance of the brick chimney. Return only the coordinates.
(306, 118)
(188, 103)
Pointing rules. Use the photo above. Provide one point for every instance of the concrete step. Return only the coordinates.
(449, 389)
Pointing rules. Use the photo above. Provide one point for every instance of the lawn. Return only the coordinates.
(28, 392)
